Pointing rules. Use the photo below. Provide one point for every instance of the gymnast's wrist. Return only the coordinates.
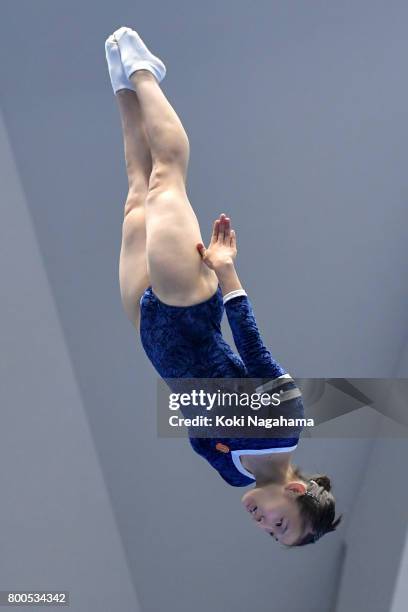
(225, 268)
(227, 274)
(228, 277)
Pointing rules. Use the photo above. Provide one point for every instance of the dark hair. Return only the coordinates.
(317, 507)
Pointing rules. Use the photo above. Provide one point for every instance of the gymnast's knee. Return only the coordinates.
(169, 173)
(134, 201)
(174, 149)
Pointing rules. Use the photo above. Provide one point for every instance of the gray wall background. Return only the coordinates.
(57, 527)
(400, 594)
(296, 114)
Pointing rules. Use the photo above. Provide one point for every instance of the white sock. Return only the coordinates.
(117, 73)
(136, 56)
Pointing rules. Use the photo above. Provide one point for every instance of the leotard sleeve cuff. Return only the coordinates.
(232, 294)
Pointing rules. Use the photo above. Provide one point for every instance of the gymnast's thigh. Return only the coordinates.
(177, 274)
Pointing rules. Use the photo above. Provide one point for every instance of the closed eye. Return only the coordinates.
(273, 535)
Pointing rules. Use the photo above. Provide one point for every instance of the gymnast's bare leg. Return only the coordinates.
(133, 272)
(176, 271)
(160, 229)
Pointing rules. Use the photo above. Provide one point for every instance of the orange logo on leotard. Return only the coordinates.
(223, 448)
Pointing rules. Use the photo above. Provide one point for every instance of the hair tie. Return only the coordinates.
(310, 494)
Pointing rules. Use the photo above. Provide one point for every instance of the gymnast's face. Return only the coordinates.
(273, 508)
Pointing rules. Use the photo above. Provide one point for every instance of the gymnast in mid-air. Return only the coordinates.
(174, 291)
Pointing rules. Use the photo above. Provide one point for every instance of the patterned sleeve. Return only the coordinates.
(256, 357)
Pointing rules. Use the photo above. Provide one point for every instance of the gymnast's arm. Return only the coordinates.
(257, 358)
(219, 256)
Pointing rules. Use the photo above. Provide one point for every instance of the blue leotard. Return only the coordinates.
(187, 342)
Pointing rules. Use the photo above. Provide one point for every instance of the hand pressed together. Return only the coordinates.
(222, 249)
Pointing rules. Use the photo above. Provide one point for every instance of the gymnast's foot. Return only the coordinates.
(117, 73)
(136, 56)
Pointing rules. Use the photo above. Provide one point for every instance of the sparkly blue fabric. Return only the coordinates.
(187, 342)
